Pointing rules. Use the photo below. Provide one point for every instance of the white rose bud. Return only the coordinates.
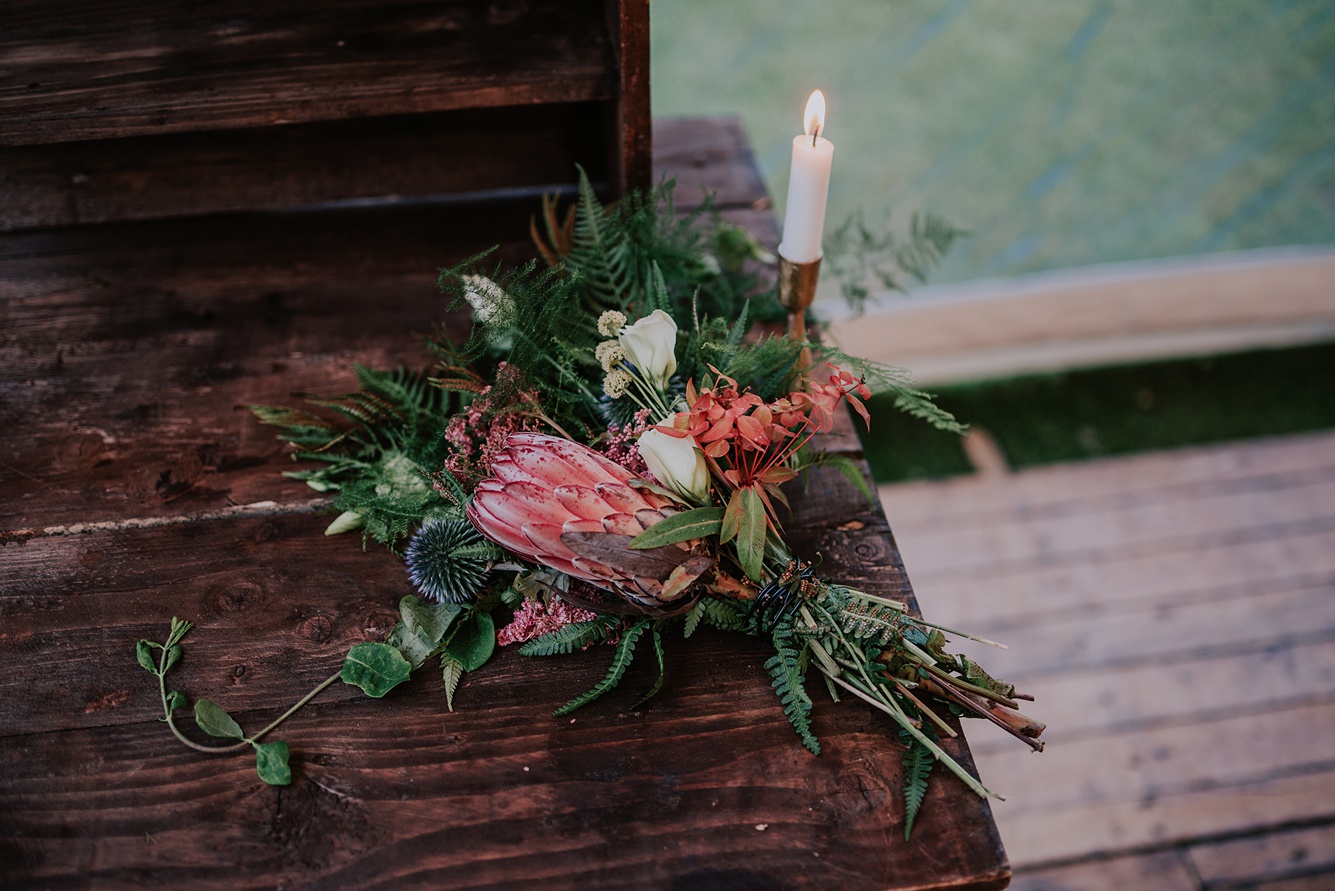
(650, 345)
(487, 298)
(676, 462)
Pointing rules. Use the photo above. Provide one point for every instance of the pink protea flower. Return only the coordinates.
(567, 507)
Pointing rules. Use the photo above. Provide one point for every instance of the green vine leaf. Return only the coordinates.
(176, 699)
(473, 643)
(376, 668)
(625, 654)
(143, 652)
(271, 763)
(216, 722)
(431, 620)
(173, 656)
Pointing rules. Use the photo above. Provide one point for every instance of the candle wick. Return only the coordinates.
(815, 132)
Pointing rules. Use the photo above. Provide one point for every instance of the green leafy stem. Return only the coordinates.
(463, 638)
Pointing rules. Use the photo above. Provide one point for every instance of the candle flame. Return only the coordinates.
(813, 118)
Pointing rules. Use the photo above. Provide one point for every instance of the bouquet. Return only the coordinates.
(601, 462)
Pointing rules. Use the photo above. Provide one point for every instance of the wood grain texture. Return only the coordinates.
(78, 71)
(385, 159)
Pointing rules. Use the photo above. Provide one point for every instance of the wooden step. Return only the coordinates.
(83, 71)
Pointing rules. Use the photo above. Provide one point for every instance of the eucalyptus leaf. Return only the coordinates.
(375, 667)
(473, 643)
(685, 526)
(216, 722)
(143, 651)
(271, 763)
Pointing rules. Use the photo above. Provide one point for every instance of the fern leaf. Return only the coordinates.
(722, 615)
(625, 654)
(575, 636)
(785, 667)
(693, 619)
(452, 671)
(918, 762)
(662, 666)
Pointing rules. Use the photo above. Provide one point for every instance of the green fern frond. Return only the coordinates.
(723, 615)
(692, 619)
(452, 671)
(785, 667)
(575, 636)
(662, 666)
(918, 762)
(625, 654)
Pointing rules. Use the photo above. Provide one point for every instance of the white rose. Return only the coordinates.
(676, 462)
(651, 345)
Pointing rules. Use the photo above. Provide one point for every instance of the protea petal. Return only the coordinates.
(622, 524)
(508, 537)
(505, 470)
(583, 502)
(540, 464)
(623, 499)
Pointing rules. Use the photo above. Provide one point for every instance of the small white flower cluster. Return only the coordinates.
(610, 354)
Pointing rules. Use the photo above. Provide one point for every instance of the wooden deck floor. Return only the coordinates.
(1174, 614)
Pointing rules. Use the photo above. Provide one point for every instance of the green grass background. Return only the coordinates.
(1059, 132)
(1090, 413)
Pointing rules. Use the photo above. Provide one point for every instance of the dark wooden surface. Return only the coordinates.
(132, 489)
(142, 109)
(78, 70)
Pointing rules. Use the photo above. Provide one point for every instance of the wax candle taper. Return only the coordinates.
(808, 186)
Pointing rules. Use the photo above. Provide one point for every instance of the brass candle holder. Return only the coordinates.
(797, 291)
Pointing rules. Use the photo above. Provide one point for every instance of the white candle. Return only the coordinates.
(808, 187)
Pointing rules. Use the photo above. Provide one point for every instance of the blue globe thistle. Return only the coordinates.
(447, 560)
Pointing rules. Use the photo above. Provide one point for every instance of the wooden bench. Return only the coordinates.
(132, 489)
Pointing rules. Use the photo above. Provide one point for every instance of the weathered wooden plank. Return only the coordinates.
(277, 604)
(1169, 635)
(232, 311)
(1149, 872)
(1161, 763)
(1146, 694)
(385, 159)
(1109, 583)
(709, 156)
(704, 788)
(1128, 529)
(1264, 858)
(1318, 882)
(81, 71)
(1044, 836)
